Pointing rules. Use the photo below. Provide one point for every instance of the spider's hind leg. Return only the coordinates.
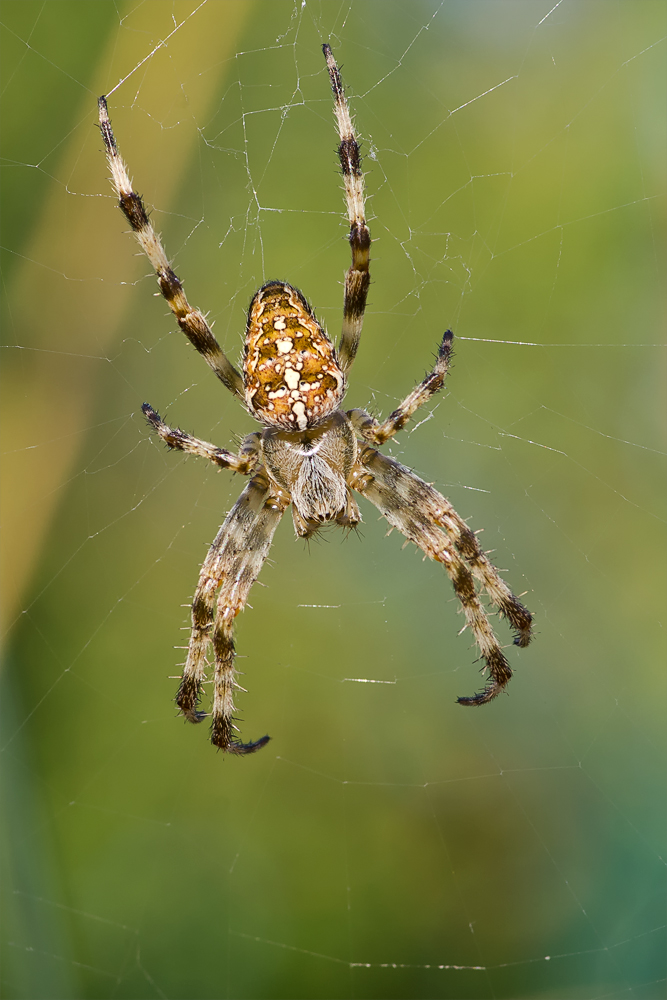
(232, 565)
(417, 510)
(517, 614)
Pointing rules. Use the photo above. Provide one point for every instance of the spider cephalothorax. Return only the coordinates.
(310, 454)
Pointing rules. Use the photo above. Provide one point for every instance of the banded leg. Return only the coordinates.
(372, 430)
(232, 565)
(439, 510)
(191, 321)
(245, 462)
(427, 519)
(519, 617)
(358, 277)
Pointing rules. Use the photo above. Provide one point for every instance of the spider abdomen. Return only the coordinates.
(291, 375)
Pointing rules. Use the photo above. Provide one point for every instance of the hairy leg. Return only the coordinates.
(245, 462)
(372, 430)
(427, 519)
(191, 321)
(232, 565)
(358, 277)
(414, 491)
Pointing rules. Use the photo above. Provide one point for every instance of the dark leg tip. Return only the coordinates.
(235, 747)
(151, 415)
(491, 691)
(475, 699)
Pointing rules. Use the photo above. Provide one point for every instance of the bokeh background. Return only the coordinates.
(387, 843)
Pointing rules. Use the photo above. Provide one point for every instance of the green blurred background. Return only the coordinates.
(515, 172)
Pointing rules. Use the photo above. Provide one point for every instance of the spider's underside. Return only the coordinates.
(310, 453)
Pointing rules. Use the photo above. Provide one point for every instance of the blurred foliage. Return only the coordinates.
(384, 833)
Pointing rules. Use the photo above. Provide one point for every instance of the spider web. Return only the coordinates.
(387, 843)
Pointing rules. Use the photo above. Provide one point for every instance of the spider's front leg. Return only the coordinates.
(429, 520)
(232, 565)
(191, 321)
(358, 277)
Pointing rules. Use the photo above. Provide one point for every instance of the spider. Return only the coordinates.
(309, 453)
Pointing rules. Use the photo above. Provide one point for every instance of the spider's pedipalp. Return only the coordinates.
(358, 278)
(191, 321)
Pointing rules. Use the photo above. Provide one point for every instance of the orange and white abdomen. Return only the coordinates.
(291, 375)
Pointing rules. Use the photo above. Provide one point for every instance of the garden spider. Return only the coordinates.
(309, 453)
